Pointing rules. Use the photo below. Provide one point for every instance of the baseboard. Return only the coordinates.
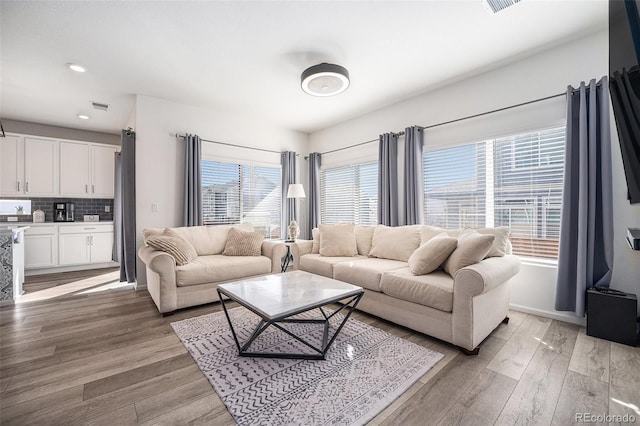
(139, 287)
(54, 270)
(560, 316)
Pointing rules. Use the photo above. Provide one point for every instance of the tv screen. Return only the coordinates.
(624, 85)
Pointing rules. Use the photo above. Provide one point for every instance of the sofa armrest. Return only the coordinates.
(484, 276)
(161, 278)
(300, 248)
(274, 250)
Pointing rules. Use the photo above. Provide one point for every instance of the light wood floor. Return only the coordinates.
(86, 356)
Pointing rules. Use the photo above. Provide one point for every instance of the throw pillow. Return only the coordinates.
(472, 248)
(243, 243)
(181, 250)
(364, 238)
(501, 244)
(396, 243)
(338, 240)
(429, 256)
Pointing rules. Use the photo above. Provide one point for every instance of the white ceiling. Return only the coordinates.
(246, 57)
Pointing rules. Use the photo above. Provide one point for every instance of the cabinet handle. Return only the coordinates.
(26, 186)
(86, 229)
(88, 241)
(86, 188)
(18, 186)
(93, 189)
(91, 239)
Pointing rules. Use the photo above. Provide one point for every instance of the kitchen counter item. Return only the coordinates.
(38, 216)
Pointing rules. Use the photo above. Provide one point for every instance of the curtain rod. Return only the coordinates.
(457, 119)
(177, 135)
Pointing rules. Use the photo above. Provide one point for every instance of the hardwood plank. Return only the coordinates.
(40, 407)
(175, 399)
(580, 394)
(591, 357)
(441, 393)
(190, 412)
(483, 401)
(514, 357)
(505, 331)
(27, 356)
(4, 383)
(122, 416)
(534, 398)
(624, 386)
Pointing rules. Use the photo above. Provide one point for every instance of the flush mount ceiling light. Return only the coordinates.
(76, 67)
(325, 79)
(83, 116)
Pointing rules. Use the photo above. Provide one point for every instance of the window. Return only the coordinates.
(350, 194)
(514, 181)
(237, 193)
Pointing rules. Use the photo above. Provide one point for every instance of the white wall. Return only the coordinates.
(541, 75)
(159, 154)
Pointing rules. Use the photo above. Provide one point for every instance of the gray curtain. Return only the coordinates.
(125, 207)
(315, 160)
(586, 226)
(192, 206)
(388, 180)
(413, 180)
(288, 162)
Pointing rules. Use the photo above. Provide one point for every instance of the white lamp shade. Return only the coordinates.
(296, 190)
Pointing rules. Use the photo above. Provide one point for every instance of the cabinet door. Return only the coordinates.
(74, 249)
(74, 169)
(101, 247)
(102, 171)
(41, 167)
(11, 166)
(40, 251)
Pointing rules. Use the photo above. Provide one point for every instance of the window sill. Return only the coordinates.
(533, 261)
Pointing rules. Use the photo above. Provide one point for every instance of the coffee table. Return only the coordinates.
(278, 298)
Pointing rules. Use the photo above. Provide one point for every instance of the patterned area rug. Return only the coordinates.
(366, 369)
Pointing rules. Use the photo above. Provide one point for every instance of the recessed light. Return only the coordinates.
(83, 117)
(76, 67)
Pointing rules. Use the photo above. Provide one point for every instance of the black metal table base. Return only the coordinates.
(320, 351)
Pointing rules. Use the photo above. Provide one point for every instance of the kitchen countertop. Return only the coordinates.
(6, 224)
(12, 229)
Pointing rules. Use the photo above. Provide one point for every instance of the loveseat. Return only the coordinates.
(185, 265)
(461, 301)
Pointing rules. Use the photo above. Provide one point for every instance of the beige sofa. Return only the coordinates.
(463, 309)
(175, 286)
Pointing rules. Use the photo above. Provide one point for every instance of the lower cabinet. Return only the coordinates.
(85, 244)
(41, 247)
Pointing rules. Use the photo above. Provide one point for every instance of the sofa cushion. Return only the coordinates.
(177, 247)
(315, 248)
(209, 240)
(396, 243)
(365, 272)
(243, 243)
(427, 232)
(322, 265)
(472, 248)
(430, 255)
(501, 245)
(220, 268)
(364, 238)
(434, 290)
(338, 240)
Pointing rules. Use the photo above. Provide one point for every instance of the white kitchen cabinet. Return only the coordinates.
(74, 169)
(86, 170)
(12, 162)
(40, 167)
(81, 244)
(40, 247)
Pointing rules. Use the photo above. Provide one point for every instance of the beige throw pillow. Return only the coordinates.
(429, 256)
(338, 240)
(472, 248)
(242, 243)
(364, 238)
(169, 242)
(501, 243)
(315, 248)
(395, 242)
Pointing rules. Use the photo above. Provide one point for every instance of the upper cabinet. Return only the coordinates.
(41, 167)
(29, 166)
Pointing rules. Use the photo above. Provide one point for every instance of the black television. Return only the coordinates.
(624, 86)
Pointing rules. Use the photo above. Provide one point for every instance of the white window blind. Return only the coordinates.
(514, 181)
(236, 193)
(349, 194)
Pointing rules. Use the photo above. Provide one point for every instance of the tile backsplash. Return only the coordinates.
(82, 206)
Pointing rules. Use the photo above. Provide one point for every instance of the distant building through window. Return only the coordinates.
(514, 181)
(349, 194)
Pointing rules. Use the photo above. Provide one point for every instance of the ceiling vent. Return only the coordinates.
(101, 107)
(498, 5)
